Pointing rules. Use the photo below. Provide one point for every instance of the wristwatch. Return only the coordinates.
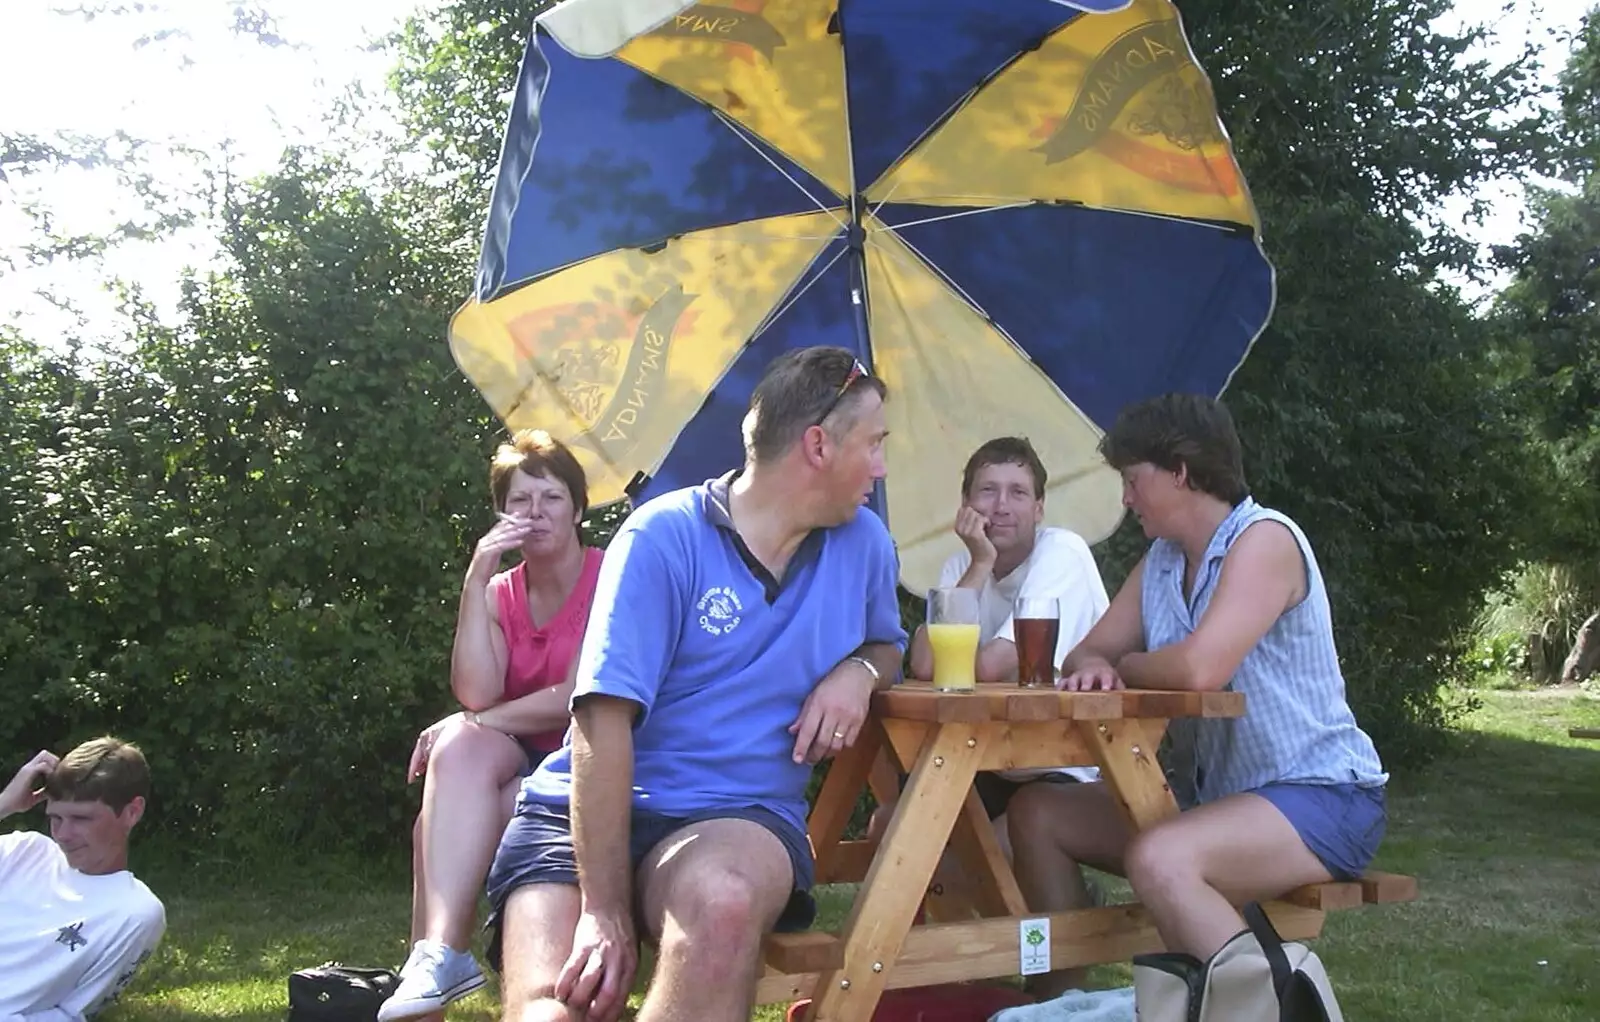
(872, 669)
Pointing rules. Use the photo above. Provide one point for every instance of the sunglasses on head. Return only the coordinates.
(857, 371)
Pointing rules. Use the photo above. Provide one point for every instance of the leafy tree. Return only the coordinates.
(256, 522)
(1550, 318)
(240, 538)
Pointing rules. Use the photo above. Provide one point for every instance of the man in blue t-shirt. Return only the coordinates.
(738, 631)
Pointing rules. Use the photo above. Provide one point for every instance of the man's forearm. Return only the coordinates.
(997, 661)
(976, 575)
(886, 657)
(921, 654)
(602, 794)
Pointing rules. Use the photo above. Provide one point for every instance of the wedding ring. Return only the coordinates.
(838, 734)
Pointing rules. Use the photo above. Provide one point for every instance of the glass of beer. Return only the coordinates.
(1036, 625)
(953, 634)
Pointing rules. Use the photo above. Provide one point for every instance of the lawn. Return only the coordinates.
(1503, 834)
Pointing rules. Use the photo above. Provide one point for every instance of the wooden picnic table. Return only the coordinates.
(943, 740)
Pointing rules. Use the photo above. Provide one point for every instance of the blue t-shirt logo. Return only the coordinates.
(719, 609)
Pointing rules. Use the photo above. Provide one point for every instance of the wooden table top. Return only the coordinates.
(917, 700)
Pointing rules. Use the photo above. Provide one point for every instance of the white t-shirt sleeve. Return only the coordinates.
(135, 941)
(1063, 568)
(141, 929)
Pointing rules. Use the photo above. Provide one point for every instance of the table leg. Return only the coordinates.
(847, 778)
(887, 902)
(1126, 752)
(978, 849)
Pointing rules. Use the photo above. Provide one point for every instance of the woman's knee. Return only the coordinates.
(1159, 859)
(471, 751)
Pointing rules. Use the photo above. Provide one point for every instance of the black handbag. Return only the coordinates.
(332, 992)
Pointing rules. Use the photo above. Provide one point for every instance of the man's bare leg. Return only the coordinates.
(709, 893)
(1054, 830)
(535, 939)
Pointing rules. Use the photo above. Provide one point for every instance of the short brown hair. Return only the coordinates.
(1006, 450)
(105, 770)
(800, 389)
(1191, 431)
(537, 453)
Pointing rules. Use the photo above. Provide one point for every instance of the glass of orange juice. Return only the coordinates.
(953, 634)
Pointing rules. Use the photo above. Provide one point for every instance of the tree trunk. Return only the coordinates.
(1585, 655)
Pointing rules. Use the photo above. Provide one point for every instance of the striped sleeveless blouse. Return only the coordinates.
(1297, 727)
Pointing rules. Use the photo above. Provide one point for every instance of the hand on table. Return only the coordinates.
(1090, 676)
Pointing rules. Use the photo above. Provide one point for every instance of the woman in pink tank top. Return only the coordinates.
(511, 669)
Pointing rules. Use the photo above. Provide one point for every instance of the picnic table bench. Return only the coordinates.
(943, 740)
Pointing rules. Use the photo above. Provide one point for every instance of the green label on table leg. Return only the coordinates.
(1034, 942)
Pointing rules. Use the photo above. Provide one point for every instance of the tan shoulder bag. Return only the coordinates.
(1256, 977)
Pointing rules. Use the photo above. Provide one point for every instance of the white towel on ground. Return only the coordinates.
(1074, 1006)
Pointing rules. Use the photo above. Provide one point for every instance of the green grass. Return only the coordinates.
(1504, 834)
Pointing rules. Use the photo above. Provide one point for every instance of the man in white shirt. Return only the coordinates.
(74, 923)
(1007, 555)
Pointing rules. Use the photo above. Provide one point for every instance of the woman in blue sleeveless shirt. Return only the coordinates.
(1228, 596)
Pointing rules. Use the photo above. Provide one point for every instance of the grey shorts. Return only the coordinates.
(537, 849)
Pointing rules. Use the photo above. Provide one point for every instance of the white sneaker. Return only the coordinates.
(434, 975)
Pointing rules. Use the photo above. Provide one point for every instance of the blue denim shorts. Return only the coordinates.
(536, 848)
(1342, 824)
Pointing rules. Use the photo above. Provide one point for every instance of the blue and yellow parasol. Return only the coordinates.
(1022, 214)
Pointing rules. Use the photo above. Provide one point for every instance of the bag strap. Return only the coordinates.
(1271, 946)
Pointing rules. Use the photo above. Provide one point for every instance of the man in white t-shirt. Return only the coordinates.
(1005, 555)
(74, 923)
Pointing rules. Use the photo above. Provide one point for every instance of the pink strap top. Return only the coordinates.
(538, 658)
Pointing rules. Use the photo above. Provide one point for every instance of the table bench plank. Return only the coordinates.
(1387, 888)
(987, 948)
(1328, 897)
(814, 951)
